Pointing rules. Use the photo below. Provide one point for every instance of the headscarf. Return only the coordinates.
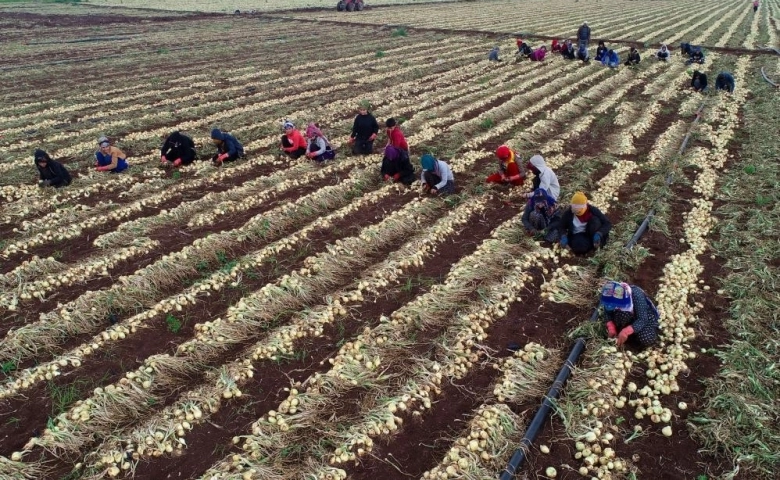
(103, 142)
(216, 134)
(41, 155)
(664, 48)
(287, 124)
(428, 162)
(392, 153)
(313, 131)
(617, 296)
(579, 207)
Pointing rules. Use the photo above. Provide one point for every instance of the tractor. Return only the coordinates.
(349, 5)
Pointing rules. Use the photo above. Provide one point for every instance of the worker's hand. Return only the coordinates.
(424, 187)
(351, 140)
(564, 241)
(597, 240)
(163, 159)
(102, 169)
(397, 177)
(611, 329)
(434, 191)
(372, 137)
(503, 178)
(624, 334)
(223, 157)
(531, 232)
(387, 177)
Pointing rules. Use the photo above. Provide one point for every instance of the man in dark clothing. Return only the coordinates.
(724, 81)
(51, 173)
(364, 131)
(228, 148)
(178, 149)
(633, 57)
(583, 36)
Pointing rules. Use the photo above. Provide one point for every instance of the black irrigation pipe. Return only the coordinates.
(541, 415)
(767, 78)
(669, 177)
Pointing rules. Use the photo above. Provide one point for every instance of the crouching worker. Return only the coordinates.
(50, 173)
(611, 59)
(319, 148)
(541, 215)
(583, 227)
(699, 81)
(544, 177)
(538, 54)
(228, 148)
(178, 149)
(724, 81)
(493, 55)
(293, 143)
(663, 53)
(629, 314)
(508, 169)
(110, 159)
(396, 166)
(437, 177)
(633, 57)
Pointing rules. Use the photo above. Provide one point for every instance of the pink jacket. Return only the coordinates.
(538, 55)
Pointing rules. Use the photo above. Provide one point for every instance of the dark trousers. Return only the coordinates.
(295, 153)
(363, 147)
(432, 180)
(583, 243)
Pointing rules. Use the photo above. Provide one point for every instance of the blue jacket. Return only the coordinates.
(601, 53)
(103, 160)
(611, 59)
(230, 145)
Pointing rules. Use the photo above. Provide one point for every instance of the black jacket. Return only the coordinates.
(597, 223)
(178, 145)
(400, 166)
(583, 33)
(364, 126)
(54, 172)
(702, 81)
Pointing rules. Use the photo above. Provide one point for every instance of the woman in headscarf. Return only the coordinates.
(395, 136)
(50, 173)
(699, 81)
(228, 148)
(109, 158)
(293, 143)
(538, 54)
(541, 215)
(545, 178)
(178, 149)
(633, 57)
(318, 148)
(663, 53)
(601, 51)
(437, 177)
(629, 313)
(583, 227)
(396, 166)
(611, 60)
(508, 168)
(555, 47)
(567, 50)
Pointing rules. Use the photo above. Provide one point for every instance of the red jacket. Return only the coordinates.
(297, 140)
(395, 137)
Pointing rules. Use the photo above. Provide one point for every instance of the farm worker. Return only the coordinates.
(755, 6)
(508, 169)
(50, 173)
(293, 143)
(601, 51)
(629, 313)
(108, 158)
(364, 131)
(567, 50)
(699, 81)
(493, 55)
(663, 53)
(612, 60)
(583, 227)
(582, 53)
(556, 46)
(178, 149)
(538, 54)
(437, 177)
(696, 57)
(695, 54)
(228, 148)
(545, 178)
(541, 215)
(633, 57)
(724, 81)
(583, 36)
(519, 41)
(319, 148)
(524, 51)
(396, 166)
(395, 136)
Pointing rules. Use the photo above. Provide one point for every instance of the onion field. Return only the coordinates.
(278, 319)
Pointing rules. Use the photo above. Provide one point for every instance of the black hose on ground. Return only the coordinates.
(541, 415)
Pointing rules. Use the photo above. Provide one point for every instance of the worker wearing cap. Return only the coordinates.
(508, 168)
(228, 148)
(583, 227)
(109, 158)
(629, 313)
(294, 145)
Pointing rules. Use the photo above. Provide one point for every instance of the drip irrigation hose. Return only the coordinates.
(541, 415)
(767, 78)
(669, 177)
